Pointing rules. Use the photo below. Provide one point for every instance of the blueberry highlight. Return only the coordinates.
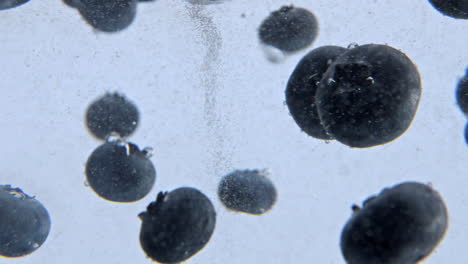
(8, 4)
(177, 225)
(112, 113)
(403, 224)
(24, 223)
(247, 191)
(368, 96)
(452, 8)
(119, 171)
(289, 29)
(302, 86)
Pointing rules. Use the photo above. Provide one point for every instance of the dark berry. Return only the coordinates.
(119, 171)
(248, 191)
(401, 225)
(24, 223)
(106, 15)
(452, 8)
(7, 4)
(302, 85)
(462, 94)
(177, 225)
(289, 29)
(112, 113)
(368, 96)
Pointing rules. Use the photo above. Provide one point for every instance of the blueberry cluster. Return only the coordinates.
(117, 170)
(362, 96)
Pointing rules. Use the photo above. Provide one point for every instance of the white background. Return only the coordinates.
(210, 102)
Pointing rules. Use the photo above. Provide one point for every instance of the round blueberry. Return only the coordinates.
(7, 4)
(452, 8)
(368, 96)
(107, 16)
(403, 224)
(24, 222)
(248, 191)
(289, 29)
(112, 113)
(302, 85)
(462, 94)
(120, 171)
(177, 225)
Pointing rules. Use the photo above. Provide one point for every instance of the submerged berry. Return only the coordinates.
(289, 29)
(120, 171)
(7, 4)
(302, 86)
(248, 191)
(368, 96)
(112, 113)
(24, 222)
(401, 225)
(177, 225)
(106, 16)
(452, 8)
(462, 94)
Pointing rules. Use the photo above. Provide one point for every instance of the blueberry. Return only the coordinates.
(466, 133)
(24, 223)
(248, 191)
(302, 85)
(112, 113)
(177, 225)
(452, 8)
(119, 171)
(289, 29)
(7, 4)
(462, 94)
(368, 96)
(401, 225)
(106, 15)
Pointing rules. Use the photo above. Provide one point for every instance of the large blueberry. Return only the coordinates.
(289, 29)
(177, 225)
(401, 225)
(7, 4)
(368, 96)
(112, 113)
(248, 191)
(119, 171)
(462, 94)
(24, 222)
(302, 85)
(452, 8)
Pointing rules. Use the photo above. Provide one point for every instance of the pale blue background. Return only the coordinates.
(210, 102)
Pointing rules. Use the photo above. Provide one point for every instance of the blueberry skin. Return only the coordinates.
(120, 172)
(106, 15)
(247, 191)
(289, 29)
(462, 94)
(302, 85)
(24, 223)
(451, 8)
(112, 113)
(177, 225)
(368, 96)
(401, 225)
(7, 4)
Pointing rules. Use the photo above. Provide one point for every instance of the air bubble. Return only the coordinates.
(353, 45)
(148, 152)
(273, 55)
